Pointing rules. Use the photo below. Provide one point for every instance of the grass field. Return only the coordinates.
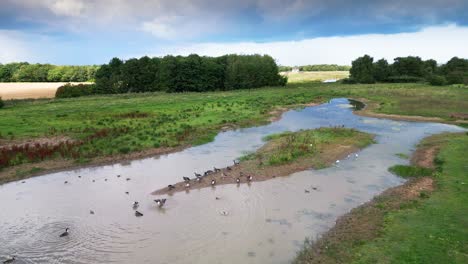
(115, 124)
(24, 90)
(297, 77)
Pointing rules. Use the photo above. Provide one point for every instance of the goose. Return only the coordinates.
(223, 213)
(217, 198)
(213, 182)
(127, 179)
(105, 179)
(9, 259)
(197, 174)
(160, 202)
(249, 178)
(228, 168)
(118, 176)
(138, 214)
(238, 180)
(126, 192)
(79, 176)
(314, 188)
(171, 187)
(208, 172)
(23, 182)
(199, 179)
(216, 169)
(187, 185)
(306, 191)
(64, 234)
(91, 212)
(65, 182)
(236, 162)
(135, 205)
(94, 180)
(187, 179)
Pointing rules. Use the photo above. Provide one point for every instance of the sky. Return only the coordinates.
(294, 32)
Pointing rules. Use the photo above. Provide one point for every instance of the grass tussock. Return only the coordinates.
(408, 171)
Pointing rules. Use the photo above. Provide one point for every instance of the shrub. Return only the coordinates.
(404, 79)
(69, 90)
(349, 81)
(437, 80)
(2, 104)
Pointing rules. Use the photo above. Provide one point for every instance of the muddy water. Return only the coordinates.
(266, 222)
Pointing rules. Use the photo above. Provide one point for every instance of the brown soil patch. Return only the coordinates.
(424, 156)
(259, 172)
(4, 144)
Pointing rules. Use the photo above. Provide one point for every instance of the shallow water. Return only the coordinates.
(266, 222)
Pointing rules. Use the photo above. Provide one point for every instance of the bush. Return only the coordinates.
(349, 81)
(404, 79)
(405, 171)
(437, 80)
(2, 104)
(69, 90)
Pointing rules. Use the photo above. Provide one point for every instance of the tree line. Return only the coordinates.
(317, 67)
(187, 73)
(25, 72)
(408, 69)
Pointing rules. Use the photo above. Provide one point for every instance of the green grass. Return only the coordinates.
(436, 229)
(289, 146)
(406, 171)
(168, 120)
(402, 156)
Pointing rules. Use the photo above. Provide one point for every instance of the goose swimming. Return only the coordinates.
(127, 179)
(138, 214)
(91, 212)
(160, 202)
(9, 259)
(65, 233)
(135, 205)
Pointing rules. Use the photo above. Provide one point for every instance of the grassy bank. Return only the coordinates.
(284, 154)
(423, 221)
(109, 126)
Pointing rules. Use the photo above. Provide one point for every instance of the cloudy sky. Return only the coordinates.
(295, 32)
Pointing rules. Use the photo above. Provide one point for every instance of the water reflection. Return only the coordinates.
(266, 221)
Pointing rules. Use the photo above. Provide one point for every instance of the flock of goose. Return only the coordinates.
(161, 202)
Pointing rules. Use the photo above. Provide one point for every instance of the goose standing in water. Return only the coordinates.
(237, 180)
(187, 185)
(213, 182)
(160, 202)
(138, 214)
(249, 178)
(199, 179)
(64, 234)
(9, 259)
(135, 205)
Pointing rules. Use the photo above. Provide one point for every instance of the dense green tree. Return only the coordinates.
(456, 71)
(381, 70)
(362, 69)
(408, 66)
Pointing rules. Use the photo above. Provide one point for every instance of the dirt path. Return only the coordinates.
(27, 90)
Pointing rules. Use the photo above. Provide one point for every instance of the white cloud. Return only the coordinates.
(70, 8)
(438, 42)
(13, 47)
